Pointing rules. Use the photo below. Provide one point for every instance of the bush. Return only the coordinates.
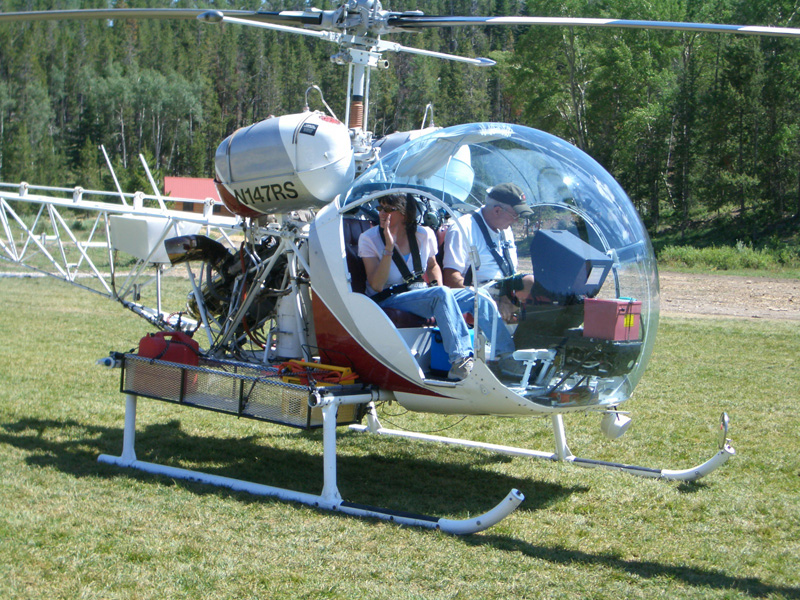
(726, 258)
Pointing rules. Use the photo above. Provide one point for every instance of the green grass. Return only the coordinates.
(73, 528)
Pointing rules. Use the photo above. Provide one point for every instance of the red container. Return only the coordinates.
(165, 381)
(616, 320)
(170, 346)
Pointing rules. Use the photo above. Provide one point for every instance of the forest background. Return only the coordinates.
(701, 130)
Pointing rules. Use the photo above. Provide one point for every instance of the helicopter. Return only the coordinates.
(276, 287)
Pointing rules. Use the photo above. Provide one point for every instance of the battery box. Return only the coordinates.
(617, 320)
(253, 391)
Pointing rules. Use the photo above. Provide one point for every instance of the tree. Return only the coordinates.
(686, 122)
(6, 103)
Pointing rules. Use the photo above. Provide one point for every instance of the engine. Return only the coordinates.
(227, 275)
(286, 163)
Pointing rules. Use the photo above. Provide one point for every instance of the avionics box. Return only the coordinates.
(566, 265)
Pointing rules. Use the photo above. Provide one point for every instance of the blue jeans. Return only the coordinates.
(440, 303)
(488, 317)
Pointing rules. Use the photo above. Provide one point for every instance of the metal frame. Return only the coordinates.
(50, 239)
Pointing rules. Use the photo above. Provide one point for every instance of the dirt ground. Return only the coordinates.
(689, 294)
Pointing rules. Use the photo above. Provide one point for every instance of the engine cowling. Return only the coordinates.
(286, 163)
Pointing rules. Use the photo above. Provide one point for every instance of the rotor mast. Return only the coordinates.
(358, 113)
(359, 51)
(355, 26)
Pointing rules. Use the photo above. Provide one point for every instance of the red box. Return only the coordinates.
(616, 320)
(164, 381)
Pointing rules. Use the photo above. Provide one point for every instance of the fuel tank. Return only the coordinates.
(286, 163)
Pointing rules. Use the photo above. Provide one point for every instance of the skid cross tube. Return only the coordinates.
(329, 499)
(562, 452)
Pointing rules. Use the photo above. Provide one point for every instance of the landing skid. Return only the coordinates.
(562, 452)
(329, 499)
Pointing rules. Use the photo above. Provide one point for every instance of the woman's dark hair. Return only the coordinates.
(407, 203)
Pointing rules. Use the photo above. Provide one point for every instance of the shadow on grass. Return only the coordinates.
(691, 487)
(449, 482)
(693, 576)
(394, 474)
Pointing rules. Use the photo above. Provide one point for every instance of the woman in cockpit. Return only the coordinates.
(396, 253)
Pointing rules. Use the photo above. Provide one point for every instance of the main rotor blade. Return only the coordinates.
(309, 18)
(417, 22)
(292, 17)
(111, 13)
(214, 16)
(384, 46)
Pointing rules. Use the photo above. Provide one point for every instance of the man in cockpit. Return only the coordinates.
(489, 230)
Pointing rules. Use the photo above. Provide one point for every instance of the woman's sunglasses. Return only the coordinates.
(389, 209)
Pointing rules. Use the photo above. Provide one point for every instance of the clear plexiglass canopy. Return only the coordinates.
(584, 241)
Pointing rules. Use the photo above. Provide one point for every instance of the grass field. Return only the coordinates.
(73, 528)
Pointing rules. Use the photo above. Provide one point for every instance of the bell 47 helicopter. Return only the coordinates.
(276, 288)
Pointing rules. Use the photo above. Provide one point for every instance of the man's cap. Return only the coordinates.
(511, 194)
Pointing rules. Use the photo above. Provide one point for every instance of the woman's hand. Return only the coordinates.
(387, 232)
(377, 268)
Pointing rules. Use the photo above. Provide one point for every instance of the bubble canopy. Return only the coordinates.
(569, 194)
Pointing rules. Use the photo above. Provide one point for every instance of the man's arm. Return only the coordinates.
(433, 271)
(453, 278)
(507, 309)
(527, 286)
(455, 258)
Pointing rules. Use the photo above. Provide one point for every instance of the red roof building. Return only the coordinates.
(193, 188)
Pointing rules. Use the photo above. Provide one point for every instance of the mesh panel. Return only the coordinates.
(229, 387)
(154, 379)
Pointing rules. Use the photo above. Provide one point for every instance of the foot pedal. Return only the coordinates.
(530, 357)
